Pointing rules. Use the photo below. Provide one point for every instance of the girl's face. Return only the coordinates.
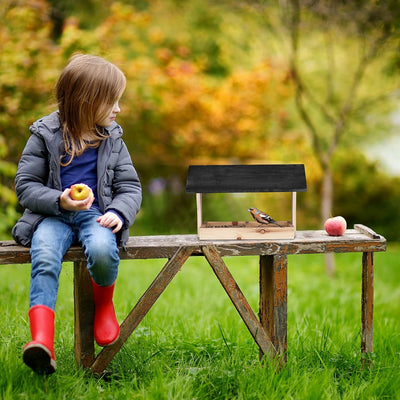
(109, 116)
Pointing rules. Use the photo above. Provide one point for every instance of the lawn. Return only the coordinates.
(193, 344)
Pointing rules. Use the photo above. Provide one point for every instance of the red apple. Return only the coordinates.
(335, 226)
(80, 191)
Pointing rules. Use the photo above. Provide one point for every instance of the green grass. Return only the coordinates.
(193, 344)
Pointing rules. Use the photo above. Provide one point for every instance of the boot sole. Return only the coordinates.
(109, 343)
(38, 358)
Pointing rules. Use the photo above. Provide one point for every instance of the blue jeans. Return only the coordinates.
(52, 239)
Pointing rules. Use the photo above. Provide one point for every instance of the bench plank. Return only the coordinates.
(165, 246)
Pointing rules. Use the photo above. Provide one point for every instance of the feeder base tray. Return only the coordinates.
(246, 230)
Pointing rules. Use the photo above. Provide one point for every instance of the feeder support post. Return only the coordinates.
(294, 197)
(199, 197)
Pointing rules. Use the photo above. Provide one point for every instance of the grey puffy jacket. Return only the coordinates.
(38, 183)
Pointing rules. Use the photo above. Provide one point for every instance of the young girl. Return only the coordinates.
(79, 143)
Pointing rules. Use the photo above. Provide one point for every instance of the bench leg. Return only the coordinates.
(273, 301)
(232, 289)
(367, 304)
(84, 315)
(143, 306)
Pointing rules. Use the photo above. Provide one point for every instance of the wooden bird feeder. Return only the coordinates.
(245, 179)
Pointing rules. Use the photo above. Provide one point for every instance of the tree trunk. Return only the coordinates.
(327, 194)
(326, 210)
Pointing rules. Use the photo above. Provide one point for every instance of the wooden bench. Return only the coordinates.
(269, 330)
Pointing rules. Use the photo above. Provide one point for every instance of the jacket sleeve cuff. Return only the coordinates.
(118, 215)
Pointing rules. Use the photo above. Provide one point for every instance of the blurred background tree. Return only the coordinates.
(27, 71)
(213, 83)
(337, 52)
(340, 99)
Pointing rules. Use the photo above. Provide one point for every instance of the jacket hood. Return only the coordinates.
(47, 126)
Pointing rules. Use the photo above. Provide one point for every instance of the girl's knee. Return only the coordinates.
(103, 252)
(103, 263)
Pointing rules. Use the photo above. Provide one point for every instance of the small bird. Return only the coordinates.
(261, 217)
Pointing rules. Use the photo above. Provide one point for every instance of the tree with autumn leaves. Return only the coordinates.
(27, 72)
(202, 88)
(175, 109)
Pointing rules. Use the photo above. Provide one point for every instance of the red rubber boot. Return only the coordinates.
(39, 353)
(106, 327)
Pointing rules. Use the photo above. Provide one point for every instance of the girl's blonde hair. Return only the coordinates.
(86, 89)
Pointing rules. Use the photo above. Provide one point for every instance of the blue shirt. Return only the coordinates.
(83, 169)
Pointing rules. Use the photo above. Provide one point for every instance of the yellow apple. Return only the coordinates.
(80, 191)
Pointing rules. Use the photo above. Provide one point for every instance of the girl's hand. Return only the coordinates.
(74, 205)
(110, 220)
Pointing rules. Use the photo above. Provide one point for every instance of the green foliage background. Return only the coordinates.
(207, 83)
(193, 344)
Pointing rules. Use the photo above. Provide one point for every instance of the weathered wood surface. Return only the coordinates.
(84, 315)
(232, 289)
(367, 303)
(270, 333)
(273, 301)
(153, 292)
(359, 239)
